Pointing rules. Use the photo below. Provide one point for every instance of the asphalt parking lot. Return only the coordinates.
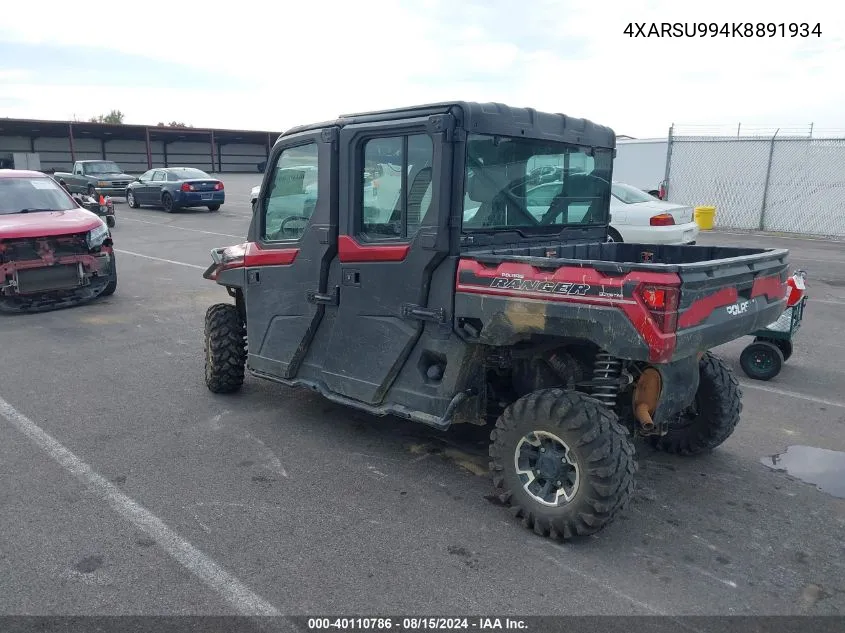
(274, 500)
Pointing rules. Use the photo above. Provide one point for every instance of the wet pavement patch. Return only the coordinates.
(89, 564)
(821, 467)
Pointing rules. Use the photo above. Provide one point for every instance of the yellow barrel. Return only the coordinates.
(704, 217)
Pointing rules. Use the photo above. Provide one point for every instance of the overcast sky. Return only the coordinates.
(270, 66)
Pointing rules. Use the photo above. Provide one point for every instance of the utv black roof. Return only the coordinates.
(488, 118)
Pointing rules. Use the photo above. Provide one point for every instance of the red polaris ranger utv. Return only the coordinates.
(452, 291)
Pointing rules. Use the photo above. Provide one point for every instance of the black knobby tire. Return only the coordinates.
(214, 207)
(167, 203)
(112, 285)
(761, 360)
(110, 221)
(92, 191)
(600, 446)
(715, 414)
(783, 345)
(132, 200)
(225, 348)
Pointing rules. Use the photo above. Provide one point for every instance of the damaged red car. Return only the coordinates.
(53, 253)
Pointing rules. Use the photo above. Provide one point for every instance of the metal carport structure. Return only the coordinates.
(136, 147)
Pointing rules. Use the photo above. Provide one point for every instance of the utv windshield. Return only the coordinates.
(524, 184)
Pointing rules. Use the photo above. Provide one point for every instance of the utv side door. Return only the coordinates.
(392, 235)
(292, 241)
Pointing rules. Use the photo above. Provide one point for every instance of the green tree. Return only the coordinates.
(115, 116)
(174, 124)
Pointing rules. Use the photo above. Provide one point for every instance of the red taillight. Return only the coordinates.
(664, 219)
(218, 186)
(662, 303)
(186, 186)
(654, 298)
(796, 287)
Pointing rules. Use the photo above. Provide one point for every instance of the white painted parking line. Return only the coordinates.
(180, 228)
(598, 582)
(793, 258)
(778, 237)
(161, 259)
(792, 394)
(229, 588)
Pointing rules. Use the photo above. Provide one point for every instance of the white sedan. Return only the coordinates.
(635, 216)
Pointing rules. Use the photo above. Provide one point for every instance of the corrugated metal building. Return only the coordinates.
(135, 148)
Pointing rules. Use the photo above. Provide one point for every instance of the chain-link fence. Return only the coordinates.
(788, 184)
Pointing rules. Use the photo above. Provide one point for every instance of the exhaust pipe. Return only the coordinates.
(646, 397)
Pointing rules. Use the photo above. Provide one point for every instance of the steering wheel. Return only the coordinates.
(291, 218)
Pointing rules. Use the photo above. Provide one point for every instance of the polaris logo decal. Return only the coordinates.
(549, 287)
(738, 308)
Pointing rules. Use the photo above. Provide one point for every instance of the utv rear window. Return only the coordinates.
(292, 195)
(534, 184)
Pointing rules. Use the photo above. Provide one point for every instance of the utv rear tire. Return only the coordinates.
(598, 448)
(225, 348)
(718, 402)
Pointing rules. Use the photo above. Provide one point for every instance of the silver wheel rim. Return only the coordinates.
(130, 199)
(546, 468)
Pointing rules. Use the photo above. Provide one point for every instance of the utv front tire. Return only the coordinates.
(563, 462)
(225, 348)
(713, 416)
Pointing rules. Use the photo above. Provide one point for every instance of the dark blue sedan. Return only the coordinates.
(176, 188)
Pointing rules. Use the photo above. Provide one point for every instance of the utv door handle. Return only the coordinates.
(410, 311)
(312, 296)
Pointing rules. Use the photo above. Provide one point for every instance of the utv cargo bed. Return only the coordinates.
(647, 302)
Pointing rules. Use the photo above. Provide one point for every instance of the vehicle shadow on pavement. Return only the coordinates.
(718, 516)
